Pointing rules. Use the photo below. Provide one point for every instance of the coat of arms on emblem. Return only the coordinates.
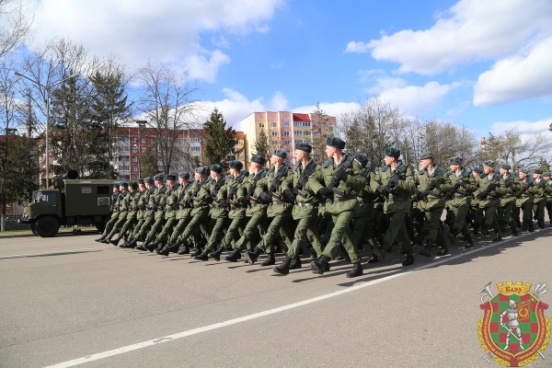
(514, 331)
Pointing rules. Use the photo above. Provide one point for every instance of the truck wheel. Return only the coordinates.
(47, 226)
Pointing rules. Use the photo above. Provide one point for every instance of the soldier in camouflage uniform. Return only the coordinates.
(197, 197)
(539, 198)
(488, 195)
(524, 198)
(114, 214)
(122, 211)
(304, 211)
(169, 204)
(236, 196)
(432, 184)
(255, 211)
(144, 216)
(338, 182)
(218, 211)
(139, 202)
(395, 184)
(276, 190)
(548, 191)
(132, 205)
(507, 200)
(157, 212)
(459, 200)
(182, 216)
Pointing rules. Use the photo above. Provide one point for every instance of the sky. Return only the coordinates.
(486, 65)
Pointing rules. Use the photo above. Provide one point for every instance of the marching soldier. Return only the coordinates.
(338, 182)
(548, 191)
(539, 198)
(132, 211)
(139, 218)
(145, 214)
(507, 200)
(114, 214)
(169, 205)
(276, 190)
(304, 211)
(430, 182)
(395, 184)
(459, 200)
(218, 212)
(182, 216)
(236, 197)
(488, 195)
(256, 211)
(524, 198)
(157, 212)
(122, 207)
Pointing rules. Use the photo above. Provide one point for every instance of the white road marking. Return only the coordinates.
(49, 253)
(195, 331)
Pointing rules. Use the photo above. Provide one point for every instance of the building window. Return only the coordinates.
(196, 149)
(287, 133)
(261, 125)
(273, 125)
(286, 124)
(134, 149)
(135, 159)
(134, 140)
(274, 143)
(144, 140)
(287, 142)
(196, 140)
(153, 141)
(124, 167)
(274, 134)
(134, 168)
(143, 149)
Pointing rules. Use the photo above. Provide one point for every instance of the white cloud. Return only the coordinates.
(161, 31)
(279, 102)
(470, 30)
(527, 127)
(516, 78)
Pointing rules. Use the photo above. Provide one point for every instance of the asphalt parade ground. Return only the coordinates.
(69, 301)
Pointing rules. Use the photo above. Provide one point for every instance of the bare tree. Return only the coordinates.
(167, 104)
(14, 26)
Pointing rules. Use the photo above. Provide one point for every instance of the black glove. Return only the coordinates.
(394, 181)
(272, 188)
(508, 183)
(435, 183)
(289, 196)
(265, 198)
(303, 181)
(418, 196)
(190, 201)
(343, 175)
(519, 193)
(223, 203)
(244, 200)
(324, 192)
(383, 191)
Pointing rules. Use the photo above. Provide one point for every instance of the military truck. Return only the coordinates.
(73, 202)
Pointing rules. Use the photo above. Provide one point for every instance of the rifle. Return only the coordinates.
(456, 186)
(389, 188)
(302, 181)
(492, 185)
(523, 189)
(337, 177)
(432, 185)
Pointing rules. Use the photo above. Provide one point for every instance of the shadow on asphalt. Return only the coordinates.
(51, 254)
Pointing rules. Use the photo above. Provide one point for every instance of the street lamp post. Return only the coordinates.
(48, 89)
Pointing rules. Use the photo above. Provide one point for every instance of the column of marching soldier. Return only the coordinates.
(327, 211)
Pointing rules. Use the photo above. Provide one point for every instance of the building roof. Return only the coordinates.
(301, 117)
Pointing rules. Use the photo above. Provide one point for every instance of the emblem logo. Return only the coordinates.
(513, 331)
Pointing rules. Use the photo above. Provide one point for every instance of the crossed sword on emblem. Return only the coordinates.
(540, 289)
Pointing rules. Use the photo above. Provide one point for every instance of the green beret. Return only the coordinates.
(426, 155)
(216, 168)
(280, 153)
(235, 164)
(133, 185)
(537, 171)
(171, 177)
(184, 175)
(505, 166)
(524, 170)
(478, 170)
(123, 184)
(489, 163)
(546, 173)
(335, 142)
(148, 179)
(455, 161)
(159, 177)
(258, 159)
(361, 158)
(202, 170)
(304, 147)
(116, 186)
(141, 181)
(392, 152)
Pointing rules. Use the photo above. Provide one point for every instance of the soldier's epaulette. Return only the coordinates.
(402, 167)
(466, 173)
(422, 172)
(327, 163)
(448, 172)
(439, 170)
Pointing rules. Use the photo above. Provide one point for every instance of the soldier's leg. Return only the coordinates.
(361, 228)
(250, 231)
(178, 229)
(109, 226)
(271, 235)
(549, 210)
(116, 227)
(155, 228)
(217, 233)
(166, 231)
(232, 233)
(143, 230)
(341, 224)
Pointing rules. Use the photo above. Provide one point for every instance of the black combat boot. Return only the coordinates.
(141, 247)
(409, 259)
(320, 265)
(469, 241)
(216, 254)
(498, 237)
(115, 242)
(295, 263)
(540, 224)
(513, 231)
(252, 255)
(234, 255)
(426, 251)
(100, 239)
(105, 240)
(373, 259)
(183, 249)
(452, 237)
(270, 260)
(131, 243)
(443, 250)
(203, 256)
(283, 268)
(530, 227)
(356, 271)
